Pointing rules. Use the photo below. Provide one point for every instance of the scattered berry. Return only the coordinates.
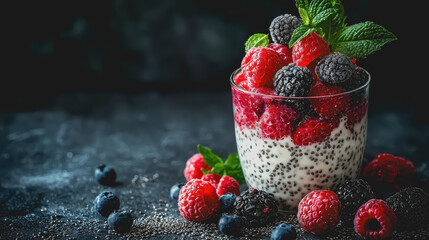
(121, 222)
(175, 189)
(105, 203)
(375, 220)
(313, 130)
(256, 207)
(194, 166)
(228, 184)
(105, 175)
(212, 178)
(319, 211)
(230, 224)
(411, 207)
(334, 105)
(226, 202)
(309, 48)
(283, 231)
(335, 69)
(198, 200)
(277, 121)
(260, 65)
(282, 27)
(352, 194)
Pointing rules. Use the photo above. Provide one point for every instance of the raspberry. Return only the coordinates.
(335, 69)
(375, 220)
(284, 52)
(352, 194)
(390, 169)
(194, 166)
(277, 121)
(410, 206)
(319, 211)
(332, 106)
(198, 200)
(228, 184)
(212, 178)
(260, 65)
(241, 81)
(313, 130)
(355, 114)
(308, 49)
(282, 27)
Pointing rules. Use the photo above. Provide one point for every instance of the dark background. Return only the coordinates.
(58, 47)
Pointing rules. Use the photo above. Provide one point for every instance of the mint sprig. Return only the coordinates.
(231, 167)
(256, 40)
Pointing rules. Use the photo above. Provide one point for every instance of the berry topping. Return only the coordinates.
(226, 202)
(411, 207)
(198, 200)
(175, 189)
(277, 121)
(282, 27)
(284, 51)
(330, 106)
(283, 231)
(256, 207)
(105, 203)
(194, 166)
(358, 78)
(375, 220)
(212, 178)
(352, 194)
(105, 175)
(309, 48)
(260, 65)
(319, 211)
(335, 69)
(121, 222)
(313, 130)
(227, 184)
(230, 224)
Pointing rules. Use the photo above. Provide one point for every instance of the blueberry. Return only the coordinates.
(121, 222)
(283, 231)
(230, 224)
(227, 202)
(175, 189)
(105, 203)
(105, 175)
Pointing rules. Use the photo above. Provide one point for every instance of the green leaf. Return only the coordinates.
(324, 17)
(257, 40)
(233, 168)
(317, 6)
(361, 39)
(300, 33)
(233, 161)
(218, 168)
(210, 158)
(304, 16)
(302, 4)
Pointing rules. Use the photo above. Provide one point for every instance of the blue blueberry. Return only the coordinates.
(121, 222)
(230, 224)
(227, 202)
(175, 189)
(105, 203)
(283, 231)
(105, 175)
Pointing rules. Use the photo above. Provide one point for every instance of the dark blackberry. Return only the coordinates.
(359, 78)
(352, 195)
(411, 206)
(282, 27)
(257, 208)
(335, 69)
(294, 81)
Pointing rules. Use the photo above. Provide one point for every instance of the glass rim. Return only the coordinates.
(231, 79)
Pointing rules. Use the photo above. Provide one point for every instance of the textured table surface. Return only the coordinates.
(48, 157)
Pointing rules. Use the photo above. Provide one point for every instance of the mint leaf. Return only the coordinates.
(324, 17)
(233, 168)
(300, 33)
(302, 4)
(209, 156)
(361, 39)
(304, 16)
(317, 6)
(218, 168)
(256, 40)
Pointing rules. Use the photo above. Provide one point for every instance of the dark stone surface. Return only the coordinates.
(48, 157)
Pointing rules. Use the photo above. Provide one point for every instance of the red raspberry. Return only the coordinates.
(260, 65)
(194, 166)
(313, 130)
(375, 220)
(284, 51)
(319, 211)
(212, 178)
(277, 121)
(309, 48)
(389, 169)
(198, 200)
(355, 113)
(241, 81)
(228, 184)
(329, 107)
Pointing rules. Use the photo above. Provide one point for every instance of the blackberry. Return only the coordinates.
(282, 27)
(359, 77)
(411, 206)
(294, 81)
(335, 69)
(352, 194)
(257, 208)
